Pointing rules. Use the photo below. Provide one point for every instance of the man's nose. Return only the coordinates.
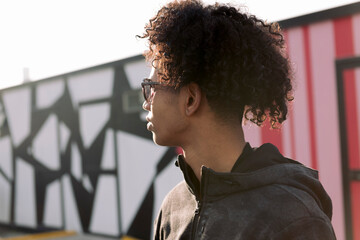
(146, 105)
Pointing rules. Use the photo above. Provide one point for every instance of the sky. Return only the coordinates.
(52, 37)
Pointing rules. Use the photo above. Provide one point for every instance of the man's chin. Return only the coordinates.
(157, 141)
(163, 142)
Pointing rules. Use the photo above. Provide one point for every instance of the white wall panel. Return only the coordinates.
(45, 144)
(137, 157)
(136, 71)
(76, 162)
(92, 119)
(6, 157)
(53, 208)
(5, 200)
(105, 207)
(25, 198)
(108, 156)
(18, 111)
(47, 93)
(91, 85)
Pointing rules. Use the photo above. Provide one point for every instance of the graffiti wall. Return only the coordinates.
(75, 154)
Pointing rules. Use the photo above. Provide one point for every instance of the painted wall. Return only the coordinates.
(74, 157)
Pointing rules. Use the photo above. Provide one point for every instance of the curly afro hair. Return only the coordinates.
(237, 59)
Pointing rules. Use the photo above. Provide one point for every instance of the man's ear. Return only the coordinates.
(193, 98)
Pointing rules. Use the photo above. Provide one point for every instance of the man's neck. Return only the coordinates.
(217, 148)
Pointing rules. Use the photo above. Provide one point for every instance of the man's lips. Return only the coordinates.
(149, 124)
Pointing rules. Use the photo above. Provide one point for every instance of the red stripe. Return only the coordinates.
(344, 45)
(290, 113)
(351, 118)
(273, 136)
(309, 80)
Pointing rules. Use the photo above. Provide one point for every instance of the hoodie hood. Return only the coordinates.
(255, 168)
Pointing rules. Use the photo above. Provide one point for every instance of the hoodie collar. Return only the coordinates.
(191, 179)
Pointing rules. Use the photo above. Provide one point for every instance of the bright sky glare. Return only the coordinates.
(59, 36)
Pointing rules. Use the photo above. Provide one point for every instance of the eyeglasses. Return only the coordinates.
(147, 85)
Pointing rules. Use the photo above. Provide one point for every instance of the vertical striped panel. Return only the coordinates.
(345, 48)
(310, 94)
(300, 110)
(326, 117)
(288, 126)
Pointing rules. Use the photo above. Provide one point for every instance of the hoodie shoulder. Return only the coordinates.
(268, 212)
(267, 167)
(307, 228)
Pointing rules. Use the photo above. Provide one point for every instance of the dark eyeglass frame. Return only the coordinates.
(146, 86)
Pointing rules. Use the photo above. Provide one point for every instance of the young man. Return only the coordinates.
(212, 67)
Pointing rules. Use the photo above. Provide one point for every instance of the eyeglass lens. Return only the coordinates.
(147, 92)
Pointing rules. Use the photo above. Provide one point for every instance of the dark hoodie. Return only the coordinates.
(265, 196)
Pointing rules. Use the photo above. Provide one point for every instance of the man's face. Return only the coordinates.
(164, 117)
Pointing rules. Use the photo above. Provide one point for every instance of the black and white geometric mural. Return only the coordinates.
(75, 154)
